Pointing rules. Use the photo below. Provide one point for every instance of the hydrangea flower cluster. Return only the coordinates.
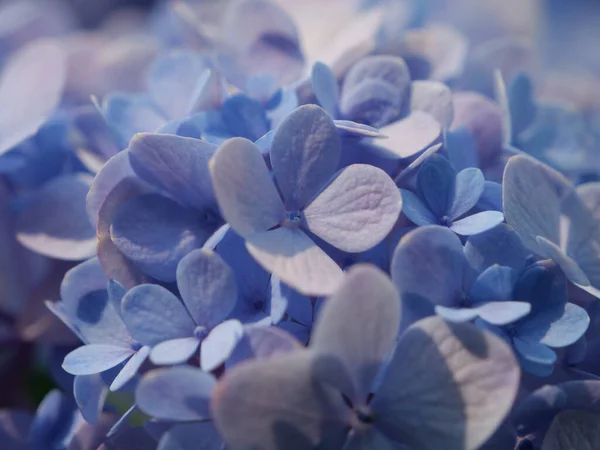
(282, 225)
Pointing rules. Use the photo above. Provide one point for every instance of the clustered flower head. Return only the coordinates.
(296, 225)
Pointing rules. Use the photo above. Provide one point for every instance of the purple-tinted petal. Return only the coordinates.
(247, 197)
(55, 222)
(428, 263)
(130, 369)
(373, 102)
(207, 286)
(262, 342)
(493, 284)
(55, 421)
(262, 403)
(171, 80)
(503, 313)
(90, 392)
(153, 315)
(410, 135)
(450, 395)
(456, 314)
(357, 210)
(415, 210)
(573, 272)
(356, 129)
(477, 223)
(178, 393)
(177, 165)
(219, 344)
(95, 358)
(434, 98)
(500, 245)
(531, 196)
(326, 88)
(390, 69)
(573, 429)
(305, 153)
(14, 426)
(357, 328)
(174, 351)
(40, 64)
(502, 100)
(468, 188)
(155, 233)
(292, 256)
(199, 436)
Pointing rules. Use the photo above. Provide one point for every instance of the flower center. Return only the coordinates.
(292, 219)
(445, 221)
(200, 332)
(364, 415)
(258, 304)
(136, 346)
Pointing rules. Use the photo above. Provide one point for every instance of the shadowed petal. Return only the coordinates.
(326, 88)
(467, 191)
(415, 210)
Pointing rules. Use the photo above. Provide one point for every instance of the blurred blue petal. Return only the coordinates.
(462, 148)
(155, 233)
(55, 422)
(31, 86)
(305, 153)
(199, 436)
(54, 221)
(174, 351)
(90, 392)
(373, 102)
(407, 137)
(357, 210)
(207, 286)
(219, 344)
(326, 88)
(262, 342)
(291, 255)
(244, 117)
(153, 314)
(366, 301)
(95, 358)
(389, 69)
(573, 429)
(434, 98)
(477, 223)
(247, 197)
(177, 165)
(468, 188)
(177, 393)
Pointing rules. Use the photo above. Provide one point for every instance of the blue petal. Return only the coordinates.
(55, 422)
(54, 222)
(130, 369)
(499, 245)
(219, 344)
(503, 313)
(356, 129)
(357, 210)
(407, 137)
(177, 393)
(568, 329)
(494, 284)
(436, 184)
(533, 351)
(95, 358)
(42, 65)
(373, 102)
(491, 197)
(428, 263)
(174, 351)
(415, 210)
(244, 117)
(155, 233)
(177, 165)
(207, 286)
(521, 103)
(434, 98)
(90, 392)
(153, 315)
(247, 197)
(326, 88)
(456, 314)
(467, 191)
(477, 223)
(304, 154)
(389, 69)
